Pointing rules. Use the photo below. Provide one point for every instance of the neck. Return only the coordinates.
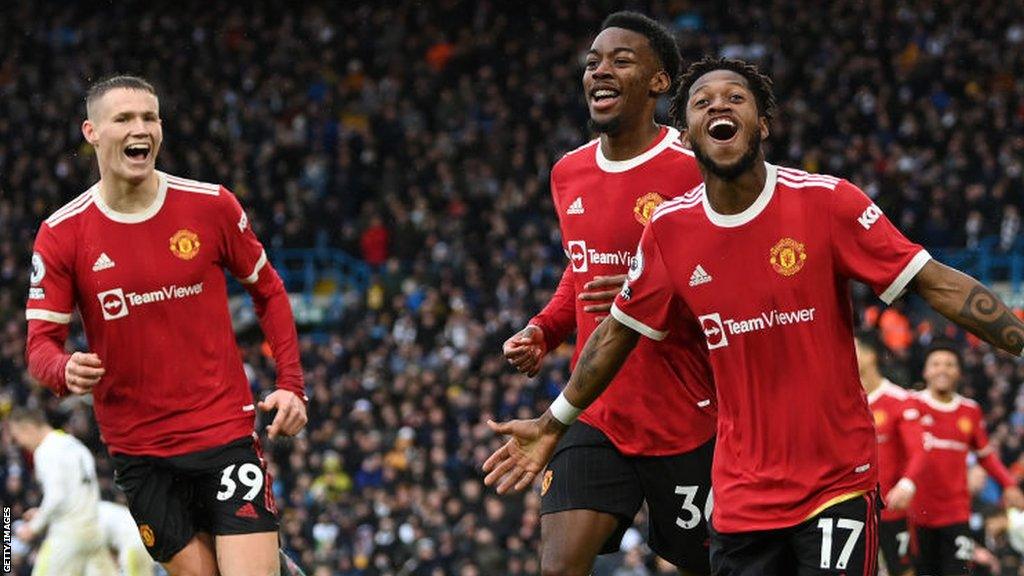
(129, 197)
(40, 435)
(944, 397)
(872, 380)
(737, 194)
(629, 142)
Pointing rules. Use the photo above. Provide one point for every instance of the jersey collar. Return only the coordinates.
(135, 217)
(941, 406)
(671, 135)
(755, 209)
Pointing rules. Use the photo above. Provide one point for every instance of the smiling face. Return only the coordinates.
(942, 371)
(125, 128)
(724, 126)
(622, 80)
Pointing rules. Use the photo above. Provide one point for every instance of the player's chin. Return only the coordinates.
(136, 173)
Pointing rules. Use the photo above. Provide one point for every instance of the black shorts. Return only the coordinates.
(943, 551)
(221, 490)
(841, 540)
(588, 472)
(894, 544)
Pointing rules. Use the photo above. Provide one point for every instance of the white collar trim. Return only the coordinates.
(950, 406)
(134, 217)
(755, 209)
(614, 166)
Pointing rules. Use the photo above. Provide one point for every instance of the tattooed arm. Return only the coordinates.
(970, 304)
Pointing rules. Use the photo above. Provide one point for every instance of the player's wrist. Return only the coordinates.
(539, 330)
(907, 485)
(563, 411)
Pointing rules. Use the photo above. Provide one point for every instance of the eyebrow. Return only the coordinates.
(614, 50)
(699, 87)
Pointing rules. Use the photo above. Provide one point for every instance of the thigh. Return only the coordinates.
(245, 554)
(161, 500)
(894, 545)
(762, 553)
(841, 540)
(588, 472)
(572, 539)
(233, 488)
(678, 493)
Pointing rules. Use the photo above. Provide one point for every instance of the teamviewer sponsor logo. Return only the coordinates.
(714, 330)
(578, 255)
(113, 304)
(717, 330)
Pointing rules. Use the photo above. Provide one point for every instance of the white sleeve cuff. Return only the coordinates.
(252, 278)
(899, 285)
(48, 315)
(637, 325)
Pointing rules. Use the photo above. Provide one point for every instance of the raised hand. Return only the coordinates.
(514, 466)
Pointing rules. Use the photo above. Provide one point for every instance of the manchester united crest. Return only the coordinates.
(147, 535)
(645, 206)
(965, 425)
(788, 256)
(185, 244)
(545, 484)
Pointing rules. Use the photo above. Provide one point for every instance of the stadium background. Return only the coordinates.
(393, 157)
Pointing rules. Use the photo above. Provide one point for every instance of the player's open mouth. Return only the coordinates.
(723, 129)
(604, 98)
(137, 152)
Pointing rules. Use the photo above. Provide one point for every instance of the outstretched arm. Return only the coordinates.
(518, 461)
(970, 304)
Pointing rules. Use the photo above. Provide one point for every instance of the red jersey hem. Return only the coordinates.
(672, 450)
(788, 519)
(176, 444)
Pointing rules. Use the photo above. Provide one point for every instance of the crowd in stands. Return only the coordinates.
(419, 136)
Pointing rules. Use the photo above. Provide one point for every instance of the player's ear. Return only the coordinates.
(660, 83)
(762, 123)
(89, 132)
(684, 137)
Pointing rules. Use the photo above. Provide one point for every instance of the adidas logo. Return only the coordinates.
(576, 207)
(247, 510)
(102, 263)
(699, 276)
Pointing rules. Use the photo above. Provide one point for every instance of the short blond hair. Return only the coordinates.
(98, 89)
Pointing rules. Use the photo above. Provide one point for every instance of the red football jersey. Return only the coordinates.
(949, 432)
(662, 400)
(895, 416)
(769, 287)
(152, 294)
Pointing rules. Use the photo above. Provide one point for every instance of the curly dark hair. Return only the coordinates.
(662, 41)
(760, 84)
